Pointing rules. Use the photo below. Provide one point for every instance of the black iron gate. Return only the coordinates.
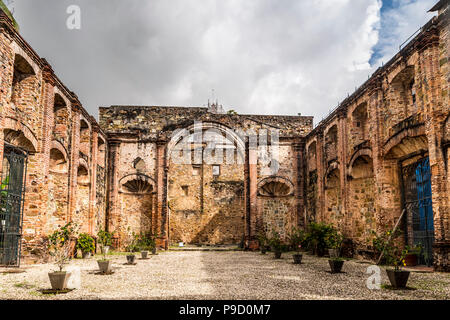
(11, 204)
(418, 205)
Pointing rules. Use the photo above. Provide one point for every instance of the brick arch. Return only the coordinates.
(60, 147)
(20, 133)
(180, 133)
(359, 153)
(136, 177)
(20, 52)
(331, 167)
(405, 142)
(278, 187)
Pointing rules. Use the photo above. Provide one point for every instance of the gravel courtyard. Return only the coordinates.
(221, 275)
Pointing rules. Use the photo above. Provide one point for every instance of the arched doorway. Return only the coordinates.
(205, 185)
(12, 195)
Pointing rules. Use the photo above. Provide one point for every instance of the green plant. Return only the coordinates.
(334, 239)
(131, 241)
(146, 241)
(297, 239)
(276, 243)
(317, 235)
(262, 239)
(85, 243)
(59, 245)
(104, 240)
(387, 244)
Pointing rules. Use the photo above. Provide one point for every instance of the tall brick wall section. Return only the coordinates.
(40, 115)
(393, 120)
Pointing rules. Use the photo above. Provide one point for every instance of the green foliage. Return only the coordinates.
(132, 241)
(231, 112)
(276, 243)
(297, 239)
(85, 243)
(105, 238)
(9, 14)
(317, 236)
(146, 241)
(334, 239)
(59, 245)
(62, 234)
(386, 244)
(262, 239)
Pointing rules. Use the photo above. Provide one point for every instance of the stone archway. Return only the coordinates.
(205, 185)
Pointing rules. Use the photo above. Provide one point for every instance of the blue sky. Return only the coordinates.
(259, 56)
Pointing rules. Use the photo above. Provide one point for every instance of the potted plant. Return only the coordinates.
(86, 244)
(412, 257)
(59, 248)
(131, 247)
(394, 256)
(276, 244)
(104, 240)
(262, 241)
(296, 239)
(317, 233)
(146, 242)
(333, 240)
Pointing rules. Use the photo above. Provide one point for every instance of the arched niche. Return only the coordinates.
(331, 142)
(61, 118)
(312, 156)
(275, 187)
(83, 174)
(101, 152)
(58, 161)
(24, 78)
(85, 137)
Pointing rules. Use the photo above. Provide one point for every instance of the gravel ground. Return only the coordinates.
(221, 275)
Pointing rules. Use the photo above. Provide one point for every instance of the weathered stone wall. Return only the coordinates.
(196, 206)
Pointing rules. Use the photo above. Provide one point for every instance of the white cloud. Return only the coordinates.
(260, 56)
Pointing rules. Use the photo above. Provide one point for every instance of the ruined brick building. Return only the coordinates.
(383, 151)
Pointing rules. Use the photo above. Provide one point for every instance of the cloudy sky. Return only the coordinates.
(259, 56)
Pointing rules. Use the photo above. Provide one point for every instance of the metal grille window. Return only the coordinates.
(11, 204)
(418, 205)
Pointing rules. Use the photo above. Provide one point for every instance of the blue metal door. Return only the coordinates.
(418, 204)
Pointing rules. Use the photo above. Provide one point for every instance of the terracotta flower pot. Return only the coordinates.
(336, 265)
(297, 258)
(154, 250)
(144, 254)
(104, 266)
(59, 280)
(399, 278)
(411, 260)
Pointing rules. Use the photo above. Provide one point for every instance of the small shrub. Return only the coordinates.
(85, 243)
(297, 239)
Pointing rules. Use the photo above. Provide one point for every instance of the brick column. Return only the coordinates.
(320, 215)
(48, 97)
(112, 216)
(92, 191)
(74, 159)
(299, 183)
(161, 189)
(342, 160)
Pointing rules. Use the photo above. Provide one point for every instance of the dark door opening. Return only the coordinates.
(11, 205)
(418, 205)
